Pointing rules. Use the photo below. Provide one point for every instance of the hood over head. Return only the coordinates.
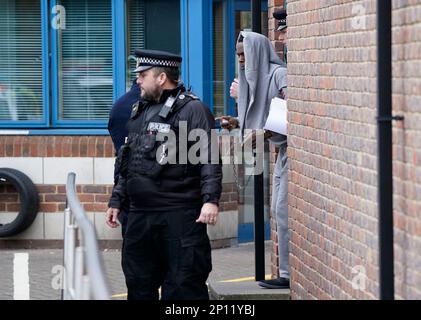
(256, 88)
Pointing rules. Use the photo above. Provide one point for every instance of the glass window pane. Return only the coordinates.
(136, 34)
(218, 60)
(20, 60)
(151, 25)
(85, 61)
(243, 22)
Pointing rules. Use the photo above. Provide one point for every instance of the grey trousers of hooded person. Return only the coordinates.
(280, 209)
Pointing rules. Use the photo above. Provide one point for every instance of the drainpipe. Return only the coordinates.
(259, 203)
(384, 147)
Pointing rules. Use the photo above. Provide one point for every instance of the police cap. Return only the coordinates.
(146, 59)
(281, 15)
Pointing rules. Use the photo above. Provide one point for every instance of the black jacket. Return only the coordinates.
(120, 114)
(155, 187)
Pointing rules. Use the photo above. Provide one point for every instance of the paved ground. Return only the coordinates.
(44, 265)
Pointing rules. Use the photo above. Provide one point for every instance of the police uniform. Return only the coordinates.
(281, 16)
(119, 115)
(163, 245)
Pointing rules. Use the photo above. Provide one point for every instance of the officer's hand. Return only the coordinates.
(234, 89)
(209, 214)
(111, 217)
(228, 122)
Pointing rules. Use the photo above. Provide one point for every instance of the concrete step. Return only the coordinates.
(244, 290)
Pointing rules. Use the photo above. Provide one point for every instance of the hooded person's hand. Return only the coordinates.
(228, 122)
(234, 89)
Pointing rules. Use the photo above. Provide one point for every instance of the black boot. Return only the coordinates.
(278, 283)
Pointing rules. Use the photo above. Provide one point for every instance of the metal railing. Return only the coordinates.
(84, 276)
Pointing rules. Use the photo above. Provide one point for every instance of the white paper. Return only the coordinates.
(277, 119)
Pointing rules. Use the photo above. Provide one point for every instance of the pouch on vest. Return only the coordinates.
(148, 142)
(123, 159)
(149, 165)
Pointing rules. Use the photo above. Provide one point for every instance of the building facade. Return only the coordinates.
(332, 148)
(62, 65)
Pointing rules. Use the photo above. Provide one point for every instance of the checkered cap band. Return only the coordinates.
(145, 61)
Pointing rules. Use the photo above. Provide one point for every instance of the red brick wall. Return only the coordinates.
(229, 197)
(332, 148)
(56, 146)
(407, 147)
(9, 199)
(94, 198)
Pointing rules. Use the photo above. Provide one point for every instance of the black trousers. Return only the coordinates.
(168, 250)
(123, 215)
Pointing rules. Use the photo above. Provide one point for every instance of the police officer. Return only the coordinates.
(281, 16)
(119, 115)
(166, 243)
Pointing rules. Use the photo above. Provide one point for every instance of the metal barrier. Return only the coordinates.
(84, 276)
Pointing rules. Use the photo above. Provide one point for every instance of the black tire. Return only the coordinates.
(29, 201)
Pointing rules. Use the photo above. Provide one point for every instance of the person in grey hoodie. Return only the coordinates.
(262, 76)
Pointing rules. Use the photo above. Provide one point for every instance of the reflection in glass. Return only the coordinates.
(85, 61)
(20, 60)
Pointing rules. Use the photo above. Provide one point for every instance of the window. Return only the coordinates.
(153, 25)
(85, 78)
(219, 81)
(66, 75)
(243, 21)
(229, 18)
(21, 61)
(136, 30)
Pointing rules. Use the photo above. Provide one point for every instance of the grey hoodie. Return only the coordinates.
(260, 81)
